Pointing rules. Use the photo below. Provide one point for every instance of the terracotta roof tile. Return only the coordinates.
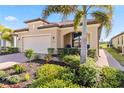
(37, 19)
(67, 23)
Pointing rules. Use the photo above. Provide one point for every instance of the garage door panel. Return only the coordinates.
(39, 44)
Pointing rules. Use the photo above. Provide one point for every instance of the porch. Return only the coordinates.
(73, 39)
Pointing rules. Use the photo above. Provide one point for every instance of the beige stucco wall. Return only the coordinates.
(115, 41)
(33, 25)
(120, 44)
(52, 32)
(92, 31)
(58, 34)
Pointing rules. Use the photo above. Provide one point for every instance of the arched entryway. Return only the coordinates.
(73, 39)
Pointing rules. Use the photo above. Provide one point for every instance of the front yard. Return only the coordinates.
(117, 55)
(16, 78)
(22, 75)
(65, 73)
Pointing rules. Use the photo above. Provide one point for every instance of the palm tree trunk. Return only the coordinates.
(83, 56)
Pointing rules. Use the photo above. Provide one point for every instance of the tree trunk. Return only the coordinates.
(83, 56)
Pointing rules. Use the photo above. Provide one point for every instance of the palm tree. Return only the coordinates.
(102, 14)
(6, 34)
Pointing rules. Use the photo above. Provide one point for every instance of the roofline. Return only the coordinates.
(117, 35)
(56, 25)
(66, 25)
(21, 30)
(37, 19)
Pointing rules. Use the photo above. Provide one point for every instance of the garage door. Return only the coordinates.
(39, 44)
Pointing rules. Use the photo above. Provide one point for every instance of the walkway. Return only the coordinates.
(11, 59)
(106, 59)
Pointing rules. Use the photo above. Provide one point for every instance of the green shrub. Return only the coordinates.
(29, 53)
(73, 60)
(51, 50)
(111, 78)
(91, 61)
(19, 68)
(56, 83)
(50, 71)
(36, 56)
(48, 58)
(9, 50)
(92, 53)
(88, 75)
(13, 50)
(68, 51)
(13, 79)
(68, 76)
(2, 75)
(27, 77)
(73, 51)
(62, 51)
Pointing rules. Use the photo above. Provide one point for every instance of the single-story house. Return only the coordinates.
(41, 35)
(118, 42)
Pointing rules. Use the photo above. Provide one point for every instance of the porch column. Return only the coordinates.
(62, 41)
(15, 41)
(2, 43)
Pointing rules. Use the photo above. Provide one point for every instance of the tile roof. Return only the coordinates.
(21, 30)
(37, 19)
(67, 23)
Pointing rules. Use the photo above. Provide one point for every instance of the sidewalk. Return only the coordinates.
(106, 59)
(102, 60)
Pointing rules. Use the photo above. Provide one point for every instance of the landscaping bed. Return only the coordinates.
(31, 68)
(66, 73)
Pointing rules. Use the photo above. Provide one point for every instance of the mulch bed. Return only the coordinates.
(31, 68)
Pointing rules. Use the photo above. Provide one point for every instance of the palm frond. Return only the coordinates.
(106, 8)
(63, 9)
(77, 19)
(6, 33)
(104, 19)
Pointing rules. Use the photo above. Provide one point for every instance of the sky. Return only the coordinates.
(14, 17)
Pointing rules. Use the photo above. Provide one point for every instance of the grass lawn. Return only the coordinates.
(119, 57)
(103, 45)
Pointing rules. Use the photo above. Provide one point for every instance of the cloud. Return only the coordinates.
(10, 18)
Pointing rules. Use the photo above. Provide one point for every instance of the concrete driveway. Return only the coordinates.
(11, 59)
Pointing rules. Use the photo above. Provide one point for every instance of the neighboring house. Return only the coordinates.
(4, 43)
(41, 35)
(118, 41)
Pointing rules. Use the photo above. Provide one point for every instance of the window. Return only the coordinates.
(118, 40)
(76, 39)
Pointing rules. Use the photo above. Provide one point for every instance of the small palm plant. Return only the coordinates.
(48, 58)
(29, 53)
